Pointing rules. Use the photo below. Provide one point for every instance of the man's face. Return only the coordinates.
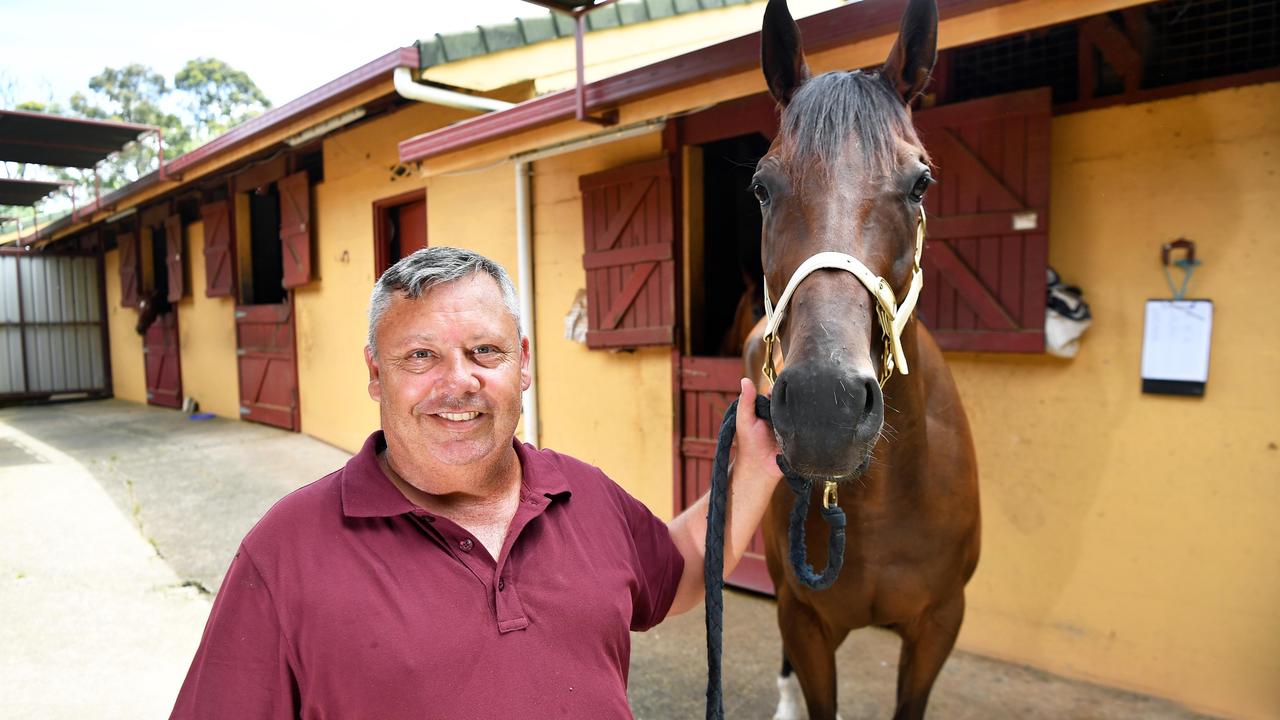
(448, 375)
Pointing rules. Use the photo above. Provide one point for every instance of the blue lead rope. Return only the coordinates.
(713, 567)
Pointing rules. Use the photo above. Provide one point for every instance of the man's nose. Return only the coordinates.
(458, 374)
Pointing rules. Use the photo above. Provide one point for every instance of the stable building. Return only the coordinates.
(1127, 536)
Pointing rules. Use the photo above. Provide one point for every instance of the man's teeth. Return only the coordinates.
(460, 417)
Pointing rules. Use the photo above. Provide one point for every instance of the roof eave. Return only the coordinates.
(843, 25)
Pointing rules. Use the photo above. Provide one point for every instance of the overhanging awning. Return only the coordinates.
(25, 192)
(43, 139)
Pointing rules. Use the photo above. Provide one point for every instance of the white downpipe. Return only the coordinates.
(524, 278)
(411, 90)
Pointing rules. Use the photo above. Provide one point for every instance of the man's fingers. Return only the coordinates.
(746, 401)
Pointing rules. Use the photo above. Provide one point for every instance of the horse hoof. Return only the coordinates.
(790, 699)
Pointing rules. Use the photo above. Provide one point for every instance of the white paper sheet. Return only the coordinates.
(1175, 340)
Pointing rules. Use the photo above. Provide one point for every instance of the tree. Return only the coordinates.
(136, 94)
(207, 98)
(219, 96)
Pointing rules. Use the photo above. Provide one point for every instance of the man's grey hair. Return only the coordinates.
(416, 274)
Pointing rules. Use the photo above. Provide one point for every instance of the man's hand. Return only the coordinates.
(757, 457)
(752, 479)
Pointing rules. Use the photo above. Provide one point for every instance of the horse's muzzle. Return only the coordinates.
(827, 419)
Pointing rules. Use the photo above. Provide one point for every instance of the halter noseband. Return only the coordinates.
(893, 317)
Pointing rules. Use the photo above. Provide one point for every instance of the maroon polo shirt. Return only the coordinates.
(348, 601)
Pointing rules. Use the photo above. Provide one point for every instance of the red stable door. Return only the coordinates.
(268, 365)
(707, 386)
(160, 351)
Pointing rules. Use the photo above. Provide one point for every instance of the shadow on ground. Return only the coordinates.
(194, 488)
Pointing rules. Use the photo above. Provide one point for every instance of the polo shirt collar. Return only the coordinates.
(368, 492)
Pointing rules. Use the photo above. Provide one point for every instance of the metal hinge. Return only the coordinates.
(244, 410)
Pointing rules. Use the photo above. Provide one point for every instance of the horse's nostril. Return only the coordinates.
(780, 391)
(870, 392)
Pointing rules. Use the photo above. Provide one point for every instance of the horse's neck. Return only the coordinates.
(904, 439)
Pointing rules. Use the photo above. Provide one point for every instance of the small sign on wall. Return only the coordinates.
(1175, 346)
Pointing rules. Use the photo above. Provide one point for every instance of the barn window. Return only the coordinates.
(629, 232)
(987, 246)
(277, 222)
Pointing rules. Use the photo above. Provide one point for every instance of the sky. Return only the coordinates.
(50, 48)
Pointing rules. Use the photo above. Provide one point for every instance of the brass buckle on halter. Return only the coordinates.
(768, 369)
(829, 499)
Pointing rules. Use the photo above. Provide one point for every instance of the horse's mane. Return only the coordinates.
(833, 108)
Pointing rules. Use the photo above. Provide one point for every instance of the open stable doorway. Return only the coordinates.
(273, 243)
(722, 297)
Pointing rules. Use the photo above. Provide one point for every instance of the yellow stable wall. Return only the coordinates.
(611, 409)
(361, 166)
(1128, 538)
(128, 373)
(207, 338)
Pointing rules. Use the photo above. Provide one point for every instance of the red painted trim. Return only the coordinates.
(843, 25)
(354, 81)
(752, 114)
(1028, 341)
(1256, 77)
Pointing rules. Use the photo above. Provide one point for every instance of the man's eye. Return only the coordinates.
(486, 350)
(420, 354)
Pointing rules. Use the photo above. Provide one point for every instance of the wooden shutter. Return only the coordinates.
(629, 229)
(173, 258)
(295, 228)
(129, 266)
(988, 242)
(217, 249)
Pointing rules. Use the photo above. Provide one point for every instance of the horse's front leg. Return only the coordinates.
(926, 644)
(810, 646)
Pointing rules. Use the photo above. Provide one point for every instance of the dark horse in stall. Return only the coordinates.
(847, 174)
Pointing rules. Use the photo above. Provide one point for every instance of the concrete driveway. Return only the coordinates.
(118, 520)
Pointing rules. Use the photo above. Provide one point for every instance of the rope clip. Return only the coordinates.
(829, 498)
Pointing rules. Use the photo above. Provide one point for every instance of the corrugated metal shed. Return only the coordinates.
(51, 315)
(486, 39)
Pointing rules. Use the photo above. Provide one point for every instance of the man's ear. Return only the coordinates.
(526, 376)
(375, 374)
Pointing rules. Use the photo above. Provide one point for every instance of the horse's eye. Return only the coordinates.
(922, 184)
(761, 192)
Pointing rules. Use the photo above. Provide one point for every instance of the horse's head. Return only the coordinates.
(846, 174)
(150, 308)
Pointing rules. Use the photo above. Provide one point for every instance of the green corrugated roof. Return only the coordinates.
(485, 39)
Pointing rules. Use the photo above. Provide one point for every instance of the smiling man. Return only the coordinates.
(448, 570)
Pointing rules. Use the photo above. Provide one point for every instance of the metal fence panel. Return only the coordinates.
(51, 312)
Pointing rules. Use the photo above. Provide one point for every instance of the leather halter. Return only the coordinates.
(893, 317)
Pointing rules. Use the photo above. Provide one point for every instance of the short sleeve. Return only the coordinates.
(242, 667)
(658, 562)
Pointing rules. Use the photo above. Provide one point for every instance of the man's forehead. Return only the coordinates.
(484, 314)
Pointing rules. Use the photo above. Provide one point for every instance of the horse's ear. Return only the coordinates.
(911, 60)
(780, 55)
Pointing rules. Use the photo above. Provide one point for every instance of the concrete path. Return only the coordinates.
(117, 522)
(95, 624)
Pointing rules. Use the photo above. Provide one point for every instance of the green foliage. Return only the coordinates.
(136, 94)
(219, 96)
(207, 98)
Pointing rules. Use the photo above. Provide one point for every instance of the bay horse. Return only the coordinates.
(842, 187)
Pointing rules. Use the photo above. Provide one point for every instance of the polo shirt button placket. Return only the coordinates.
(466, 545)
(502, 584)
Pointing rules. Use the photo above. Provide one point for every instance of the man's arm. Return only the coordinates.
(753, 477)
(242, 668)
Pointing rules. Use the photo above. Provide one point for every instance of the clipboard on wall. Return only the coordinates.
(1175, 346)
